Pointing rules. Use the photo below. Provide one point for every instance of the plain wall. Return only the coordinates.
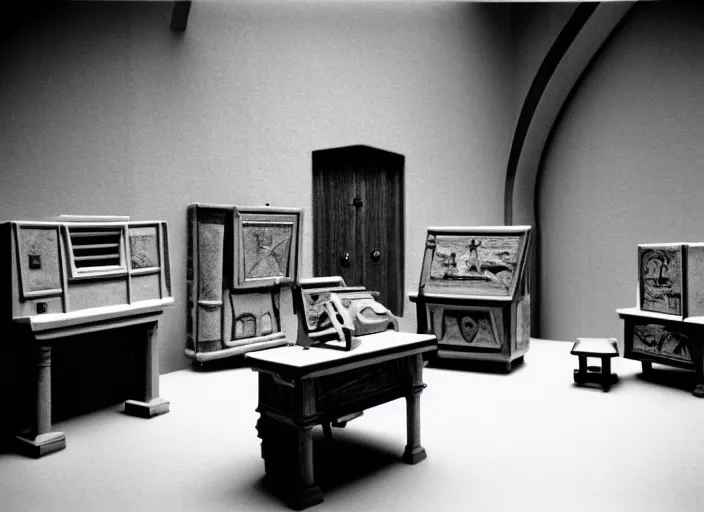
(624, 167)
(105, 111)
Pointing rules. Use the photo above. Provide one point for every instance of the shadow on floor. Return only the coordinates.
(469, 365)
(216, 365)
(348, 458)
(671, 377)
(598, 387)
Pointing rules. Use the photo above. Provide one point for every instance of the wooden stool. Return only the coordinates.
(605, 348)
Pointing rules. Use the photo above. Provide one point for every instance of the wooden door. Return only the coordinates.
(358, 219)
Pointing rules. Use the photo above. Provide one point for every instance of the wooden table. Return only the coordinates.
(303, 387)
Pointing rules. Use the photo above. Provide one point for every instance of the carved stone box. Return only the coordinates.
(473, 292)
(332, 313)
(73, 275)
(671, 279)
(667, 325)
(238, 259)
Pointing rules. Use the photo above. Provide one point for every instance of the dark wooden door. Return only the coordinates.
(358, 219)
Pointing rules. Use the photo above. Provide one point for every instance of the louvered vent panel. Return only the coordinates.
(95, 247)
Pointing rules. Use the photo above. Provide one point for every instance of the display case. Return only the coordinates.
(72, 275)
(239, 258)
(473, 293)
(667, 324)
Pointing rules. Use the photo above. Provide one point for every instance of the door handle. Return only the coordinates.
(345, 260)
(375, 255)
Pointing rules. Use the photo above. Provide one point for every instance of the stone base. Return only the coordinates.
(42, 444)
(415, 455)
(286, 490)
(699, 391)
(149, 409)
(306, 498)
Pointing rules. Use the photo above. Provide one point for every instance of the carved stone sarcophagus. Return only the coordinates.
(473, 292)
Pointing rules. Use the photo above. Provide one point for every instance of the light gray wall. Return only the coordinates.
(624, 167)
(104, 111)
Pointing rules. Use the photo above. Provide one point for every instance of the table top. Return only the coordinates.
(660, 316)
(595, 347)
(302, 361)
(452, 298)
(53, 321)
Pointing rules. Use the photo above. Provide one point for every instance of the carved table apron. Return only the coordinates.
(300, 388)
(658, 338)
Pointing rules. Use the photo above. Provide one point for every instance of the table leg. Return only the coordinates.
(414, 452)
(148, 403)
(308, 493)
(699, 386)
(647, 367)
(41, 440)
(287, 451)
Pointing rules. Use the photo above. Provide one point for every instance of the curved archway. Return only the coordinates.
(586, 32)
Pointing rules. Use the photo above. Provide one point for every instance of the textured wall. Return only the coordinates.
(105, 111)
(624, 167)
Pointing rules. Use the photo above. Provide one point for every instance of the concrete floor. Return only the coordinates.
(529, 440)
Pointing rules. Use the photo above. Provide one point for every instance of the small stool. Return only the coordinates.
(605, 348)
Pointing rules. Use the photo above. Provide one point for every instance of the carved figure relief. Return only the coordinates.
(143, 251)
(469, 329)
(316, 316)
(266, 249)
(480, 265)
(659, 340)
(661, 280)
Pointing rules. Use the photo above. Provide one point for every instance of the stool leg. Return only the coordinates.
(583, 365)
(606, 373)
(581, 374)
